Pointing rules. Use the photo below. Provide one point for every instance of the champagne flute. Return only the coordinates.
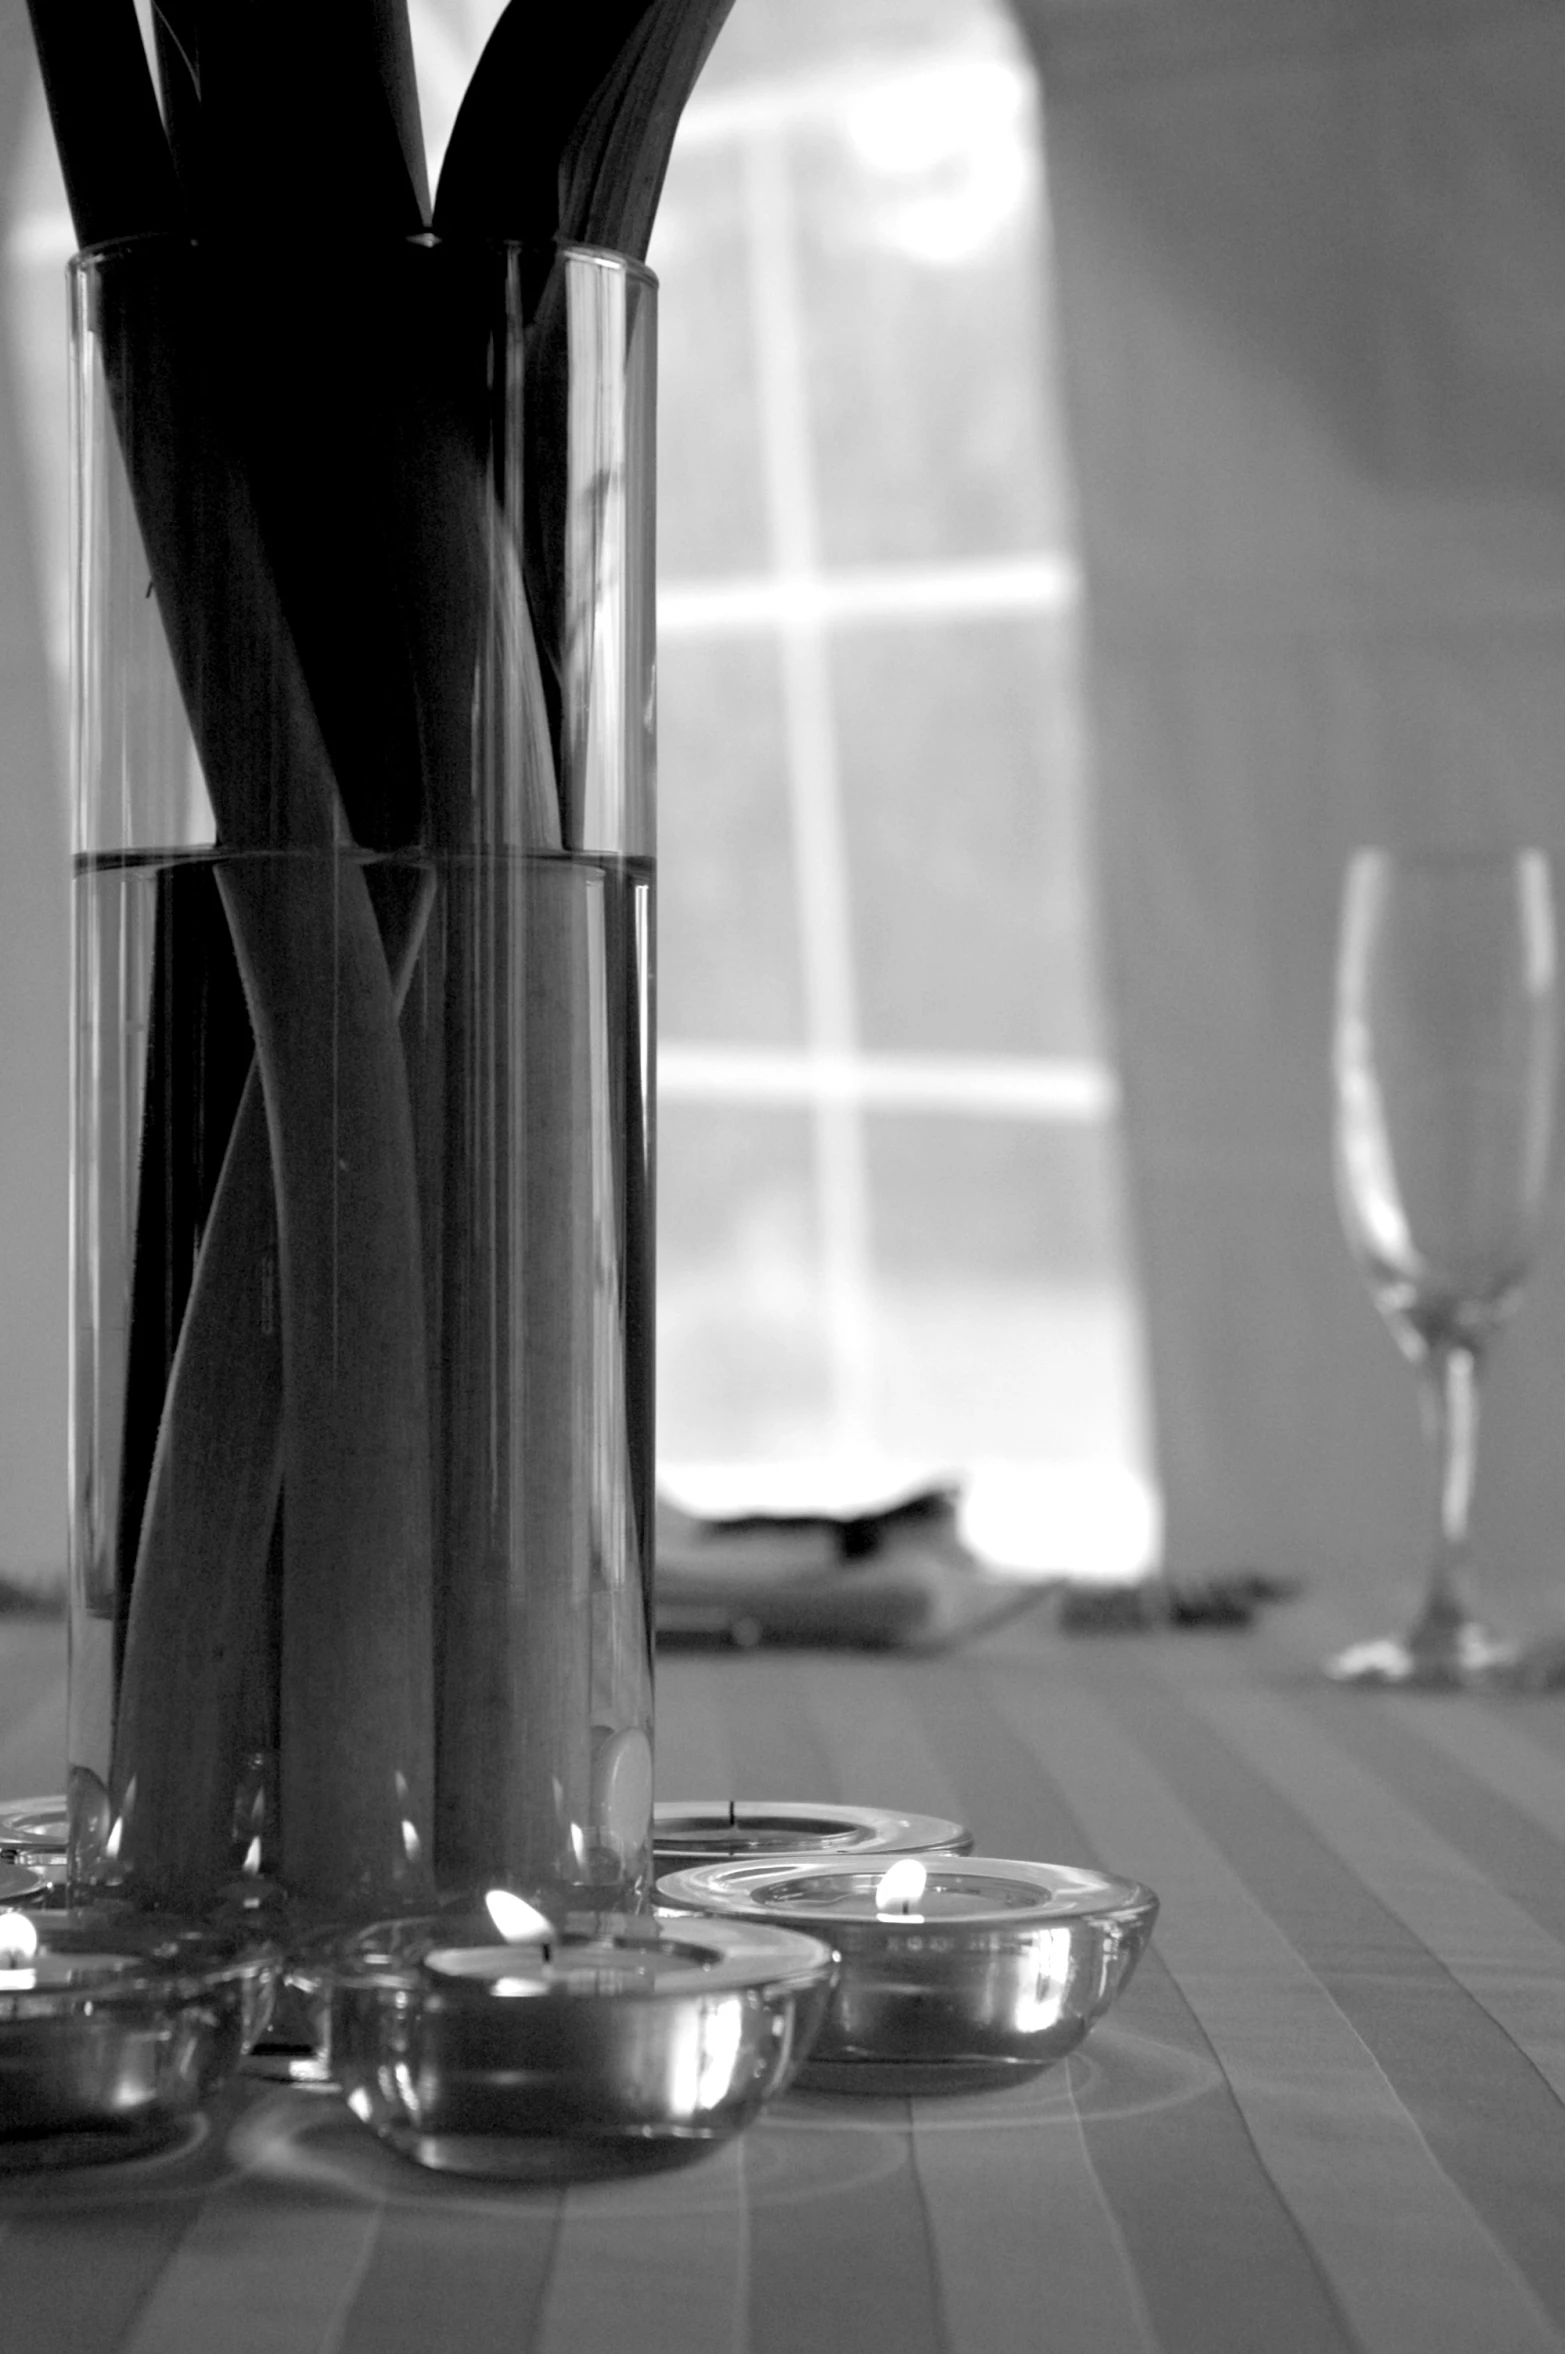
(1444, 1077)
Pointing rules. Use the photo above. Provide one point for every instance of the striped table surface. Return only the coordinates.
(1327, 2113)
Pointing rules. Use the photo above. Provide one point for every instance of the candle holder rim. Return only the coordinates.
(164, 1946)
(743, 1886)
(166, 241)
(167, 1966)
(679, 1821)
(763, 1957)
(40, 1823)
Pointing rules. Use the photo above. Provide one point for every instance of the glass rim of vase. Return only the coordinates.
(606, 257)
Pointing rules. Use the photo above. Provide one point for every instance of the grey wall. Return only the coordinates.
(34, 914)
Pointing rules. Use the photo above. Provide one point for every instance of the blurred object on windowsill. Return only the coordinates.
(893, 1577)
(896, 1574)
(32, 1593)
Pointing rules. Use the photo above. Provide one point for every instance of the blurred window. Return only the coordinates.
(890, 1235)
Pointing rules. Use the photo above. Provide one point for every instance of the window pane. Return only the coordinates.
(737, 1223)
(964, 833)
(918, 213)
(728, 956)
(711, 517)
(958, 1196)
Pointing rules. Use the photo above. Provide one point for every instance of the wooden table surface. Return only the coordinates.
(1326, 2115)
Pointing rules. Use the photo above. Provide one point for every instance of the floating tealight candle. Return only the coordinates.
(26, 1966)
(955, 1972)
(901, 1886)
(518, 1922)
(572, 2049)
(702, 1831)
(511, 1968)
(18, 1938)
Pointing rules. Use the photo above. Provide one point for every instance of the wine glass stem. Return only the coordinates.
(1450, 1387)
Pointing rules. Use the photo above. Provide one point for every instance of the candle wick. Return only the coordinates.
(733, 1816)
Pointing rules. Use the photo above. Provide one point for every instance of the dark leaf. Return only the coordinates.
(393, 48)
(119, 176)
(613, 169)
(304, 123)
(175, 43)
(501, 175)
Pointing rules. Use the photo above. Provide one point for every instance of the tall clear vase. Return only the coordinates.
(362, 1169)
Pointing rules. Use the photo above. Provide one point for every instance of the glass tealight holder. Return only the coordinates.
(689, 1831)
(955, 1973)
(612, 2044)
(114, 2027)
(35, 1834)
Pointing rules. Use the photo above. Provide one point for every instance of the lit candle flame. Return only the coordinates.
(18, 1939)
(518, 1922)
(900, 1885)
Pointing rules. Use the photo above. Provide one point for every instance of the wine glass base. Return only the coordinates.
(1465, 1657)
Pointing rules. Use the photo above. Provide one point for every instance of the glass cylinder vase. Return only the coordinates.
(362, 1153)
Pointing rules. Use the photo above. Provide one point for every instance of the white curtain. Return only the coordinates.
(1311, 262)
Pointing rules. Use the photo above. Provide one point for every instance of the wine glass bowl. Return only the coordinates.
(1443, 1066)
